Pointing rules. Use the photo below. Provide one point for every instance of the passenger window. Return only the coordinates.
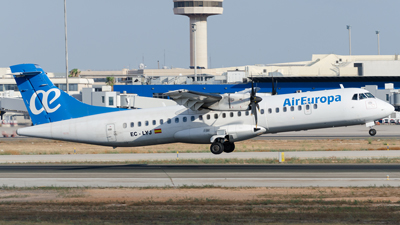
(355, 97)
(247, 113)
(215, 116)
(284, 109)
(124, 125)
(231, 114)
(132, 124)
(362, 96)
(146, 123)
(192, 118)
(239, 114)
(315, 106)
(277, 110)
(269, 110)
(201, 117)
(139, 124)
(262, 111)
(307, 107)
(208, 117)
(300, 107)
(292, 108)
(169, 121)
(161, 122)
(223, 115)
(154, 122)
(184, 119)
(176, 120)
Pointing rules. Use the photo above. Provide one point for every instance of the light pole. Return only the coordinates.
(195, 60)
(349, 28)
(66, 44)
(379, 48)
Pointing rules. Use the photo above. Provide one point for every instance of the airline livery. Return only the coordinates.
(200, 118)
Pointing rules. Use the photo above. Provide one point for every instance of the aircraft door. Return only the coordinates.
(307, 109)
(111, 133)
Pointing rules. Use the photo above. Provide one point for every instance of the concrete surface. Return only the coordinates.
(219, 175)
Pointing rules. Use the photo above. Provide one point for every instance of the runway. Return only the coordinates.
(200, 175)
(173, 156)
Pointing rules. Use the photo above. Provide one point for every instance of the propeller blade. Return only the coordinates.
(252, 88)
(255, 114)
(254, 100)
(229, 100)
(273, 85)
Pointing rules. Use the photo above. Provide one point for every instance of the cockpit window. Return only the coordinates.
(355, 97)
(369, 95)
(362, 96)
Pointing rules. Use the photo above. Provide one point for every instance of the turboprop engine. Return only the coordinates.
(232, 102)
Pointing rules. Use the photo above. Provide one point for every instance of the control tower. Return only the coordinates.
(198, 11)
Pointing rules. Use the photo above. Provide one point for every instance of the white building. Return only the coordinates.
(7, 83)
(326, 65)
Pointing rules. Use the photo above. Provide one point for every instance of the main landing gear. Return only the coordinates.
(220, 146)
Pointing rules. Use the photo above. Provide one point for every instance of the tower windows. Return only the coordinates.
(197, 4)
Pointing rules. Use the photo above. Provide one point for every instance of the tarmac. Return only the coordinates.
(173, 156)
(141, 175)
(144, 175)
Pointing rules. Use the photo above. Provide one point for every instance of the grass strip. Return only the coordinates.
(208, 211)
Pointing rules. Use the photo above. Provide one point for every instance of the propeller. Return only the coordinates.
(274, 86)
(254, 100)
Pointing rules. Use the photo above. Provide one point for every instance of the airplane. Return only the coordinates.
(199, 118)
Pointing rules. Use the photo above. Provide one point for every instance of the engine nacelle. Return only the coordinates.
(232, 102)
(206, 135)
(239, 132)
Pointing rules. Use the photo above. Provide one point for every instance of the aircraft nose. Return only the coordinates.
(388, 108)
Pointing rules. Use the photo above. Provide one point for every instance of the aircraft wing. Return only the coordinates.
(193, 99)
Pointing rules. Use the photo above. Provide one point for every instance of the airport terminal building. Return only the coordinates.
(380, 74)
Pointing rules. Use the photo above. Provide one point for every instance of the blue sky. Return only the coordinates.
(117, 34)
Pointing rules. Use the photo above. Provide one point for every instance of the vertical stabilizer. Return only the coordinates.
(45, 102)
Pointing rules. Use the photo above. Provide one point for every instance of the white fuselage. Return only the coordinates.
(151, 126)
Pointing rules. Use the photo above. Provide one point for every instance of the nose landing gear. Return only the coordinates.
(371, 125)
(372, 132)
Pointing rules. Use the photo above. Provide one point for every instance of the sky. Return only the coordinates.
(118, 34)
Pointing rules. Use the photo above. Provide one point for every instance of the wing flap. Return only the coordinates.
(192, 99)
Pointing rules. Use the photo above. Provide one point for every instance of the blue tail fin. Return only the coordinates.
(44, 101)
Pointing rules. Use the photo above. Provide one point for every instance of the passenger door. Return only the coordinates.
(111, 133)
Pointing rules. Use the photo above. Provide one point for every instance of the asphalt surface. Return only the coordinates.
(173, 156)
(136, 175)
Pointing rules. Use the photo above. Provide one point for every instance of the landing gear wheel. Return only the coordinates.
(229, 147)
(217, 148)
(372, 132)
